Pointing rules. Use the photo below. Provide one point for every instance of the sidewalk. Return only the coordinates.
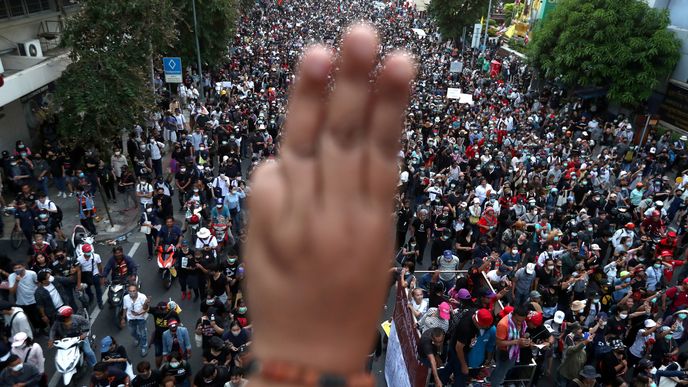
(124, 221)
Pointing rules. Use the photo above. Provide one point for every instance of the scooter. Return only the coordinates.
(193, 217)
(219, 229)
(166, 261)
(80, 236)
(69, 359)
(115, 296)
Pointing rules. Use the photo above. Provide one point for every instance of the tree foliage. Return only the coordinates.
(452, 15)
(216, 25)
(622, 45)
(106, 88)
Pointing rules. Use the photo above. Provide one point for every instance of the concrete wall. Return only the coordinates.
(13, 125)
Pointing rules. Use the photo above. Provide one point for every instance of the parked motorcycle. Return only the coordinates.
(166, 261)
(69, 359)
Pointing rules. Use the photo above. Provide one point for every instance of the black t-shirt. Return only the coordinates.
(617, 327)
(113, 378)
(181, 373)
(63, 268)
(56, 166)
(421, 227)
(220, 357)
(154, 380)
(219, 380)
(119, 353)
(466, 333)
(218, 286)
(425, 346)
(606, 367)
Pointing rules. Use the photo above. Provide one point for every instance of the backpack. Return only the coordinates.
(454, 321)
(57, 217)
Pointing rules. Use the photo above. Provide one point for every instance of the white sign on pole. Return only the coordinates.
(456, 67)
(477, 33)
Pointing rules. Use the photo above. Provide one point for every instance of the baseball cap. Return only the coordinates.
(486, 292)
(464, 294)
(650, 323)
(624, 273)
(105, 343)
(559, 317)
(447, 254)
(671, 234)
(535, 294)
(484, 317)
(172, 322)
(530, 268)
(595, 247)
(630, 226)
(444, 310)
(86, 248)
(535, 318)
(19, 339)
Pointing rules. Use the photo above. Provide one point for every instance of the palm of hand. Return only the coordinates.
(320, 236)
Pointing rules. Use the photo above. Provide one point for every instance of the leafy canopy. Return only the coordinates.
(452, 15)
(216, 25)
(622, 45)
(107, 88)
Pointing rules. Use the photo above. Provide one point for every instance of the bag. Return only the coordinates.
(561, 199)
(473, 219)
(57, 217)
(145, 229)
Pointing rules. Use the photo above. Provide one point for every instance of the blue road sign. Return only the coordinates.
(173, 69)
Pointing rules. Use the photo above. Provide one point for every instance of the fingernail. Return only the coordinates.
(318, 67)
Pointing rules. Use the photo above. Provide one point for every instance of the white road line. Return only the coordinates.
(54, 380)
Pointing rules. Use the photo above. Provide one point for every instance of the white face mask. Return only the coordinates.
(623, 316)
(514, 251)
(174, 364)
(18, 367)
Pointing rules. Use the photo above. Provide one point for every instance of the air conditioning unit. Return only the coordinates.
(31, 48)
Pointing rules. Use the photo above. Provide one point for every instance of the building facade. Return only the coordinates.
(30, 61)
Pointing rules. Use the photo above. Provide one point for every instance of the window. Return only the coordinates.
(15, 8)
(37, 5)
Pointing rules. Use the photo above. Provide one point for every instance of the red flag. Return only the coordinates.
(279, 2)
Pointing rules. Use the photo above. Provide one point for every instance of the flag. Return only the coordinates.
(279, 2)
(482, 20)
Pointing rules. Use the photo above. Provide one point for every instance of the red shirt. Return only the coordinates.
(679, 298)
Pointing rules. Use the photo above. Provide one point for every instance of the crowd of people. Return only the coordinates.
(549, 240)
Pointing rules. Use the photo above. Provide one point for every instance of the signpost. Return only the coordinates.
(173, 69)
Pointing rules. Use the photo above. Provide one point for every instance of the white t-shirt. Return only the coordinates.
(639, 343)
(145, 188)
(135, 306)
(209, 242)
(47, 206)
(26, 289)
(89, 265)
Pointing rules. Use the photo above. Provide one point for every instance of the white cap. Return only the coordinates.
(595, 247)
(650, 323)
(19, 339)
(530, 268)
(559, 317)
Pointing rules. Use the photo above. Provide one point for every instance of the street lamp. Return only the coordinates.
(487, 24)
(198, 54)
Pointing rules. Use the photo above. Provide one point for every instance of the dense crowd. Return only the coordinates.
(578, 231)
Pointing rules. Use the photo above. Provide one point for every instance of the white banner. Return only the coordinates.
(396, 373)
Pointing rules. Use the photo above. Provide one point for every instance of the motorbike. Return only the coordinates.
(115, 296)
(69, 359)
(220, 231)
(193, 217)
(166, 261)
(80, 237)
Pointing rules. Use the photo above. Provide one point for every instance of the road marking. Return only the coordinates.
(54, 380)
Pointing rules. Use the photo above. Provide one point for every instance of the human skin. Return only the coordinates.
(321, 231)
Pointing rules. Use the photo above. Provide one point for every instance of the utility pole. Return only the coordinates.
(487, 24)
(201, 93)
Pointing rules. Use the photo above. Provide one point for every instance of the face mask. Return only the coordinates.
(623, 316)
(18, 367)
(657, 265)
(669, 337)
(117, 153)
(209, 302)
(514, 251)
(682, 316)
(590, 229)
(550, 268)
(23, 154)
(596, 300)
(149, 210)
(174, 364)
(182, 170)
(18, 272)
(556, 238)
(242, 309)
(237, 333)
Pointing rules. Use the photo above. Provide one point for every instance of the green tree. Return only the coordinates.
(452, 15)
(622, 45)
(107, 87)
(216, 25)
